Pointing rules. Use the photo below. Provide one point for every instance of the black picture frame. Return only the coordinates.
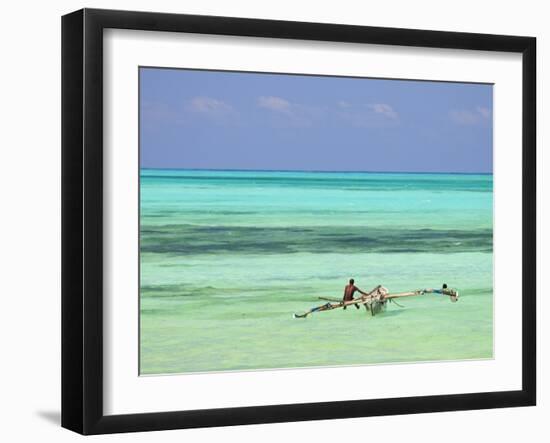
(82, 218)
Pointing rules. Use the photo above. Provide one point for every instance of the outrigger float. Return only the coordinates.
(376, 300)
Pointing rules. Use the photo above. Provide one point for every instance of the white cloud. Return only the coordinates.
(470, 117)
(485, 113)
(463, 117)
(370, 115)
(362, 115)
(277, 104)
(208, 105)
(384, 109)
(294, 114)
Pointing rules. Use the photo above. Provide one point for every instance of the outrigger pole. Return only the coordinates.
(375, 300)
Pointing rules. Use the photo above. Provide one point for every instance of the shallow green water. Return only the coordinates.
(227, 257)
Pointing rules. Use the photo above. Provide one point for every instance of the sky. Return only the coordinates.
(195, 119)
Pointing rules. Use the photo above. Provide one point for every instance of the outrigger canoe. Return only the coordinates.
(376, 300)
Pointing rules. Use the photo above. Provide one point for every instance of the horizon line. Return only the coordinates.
(313, 171)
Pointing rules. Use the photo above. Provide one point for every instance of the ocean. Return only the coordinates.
(227, 258)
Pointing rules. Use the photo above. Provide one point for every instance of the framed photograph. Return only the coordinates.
(269, 221)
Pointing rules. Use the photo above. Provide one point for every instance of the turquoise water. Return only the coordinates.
(228, 256)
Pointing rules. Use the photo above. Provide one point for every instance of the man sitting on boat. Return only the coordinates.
(442, 290)
(445, 290)
(375, 300)
(349, 290)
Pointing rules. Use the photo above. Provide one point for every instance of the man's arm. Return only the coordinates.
(359, 290)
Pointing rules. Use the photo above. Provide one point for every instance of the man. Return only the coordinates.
(349, 290)
(444, 290)
(447, 291)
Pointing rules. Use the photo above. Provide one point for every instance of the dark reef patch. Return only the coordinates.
(196, 240)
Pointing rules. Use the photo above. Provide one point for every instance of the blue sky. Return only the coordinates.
(233, 120)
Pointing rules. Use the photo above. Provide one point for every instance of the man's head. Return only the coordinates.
(351, 281)
(444, 285)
